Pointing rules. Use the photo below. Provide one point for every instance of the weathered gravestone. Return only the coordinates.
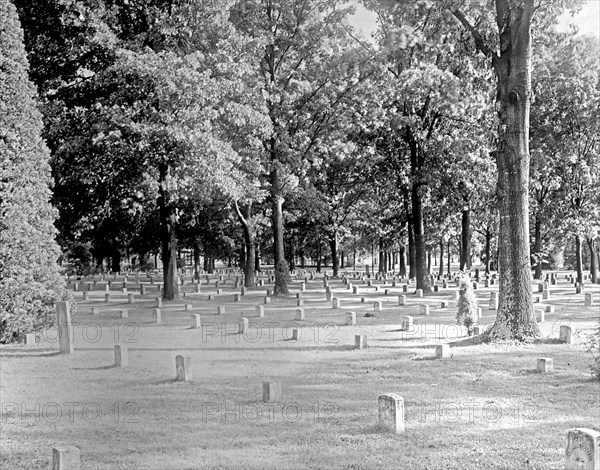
(391, 413)
(121, 356)
(582, 450)
(271, 391)
(545, 365)
(360, 341)
(183, 368)
(65, 327)
(65, 458)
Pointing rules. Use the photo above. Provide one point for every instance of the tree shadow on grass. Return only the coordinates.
(470, 341)
(112, 366)
(38, 352)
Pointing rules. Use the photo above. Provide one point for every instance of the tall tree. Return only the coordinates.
(30, 281)
(510, 52)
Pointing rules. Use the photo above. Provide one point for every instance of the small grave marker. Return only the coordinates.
(391, 413)
(121, 356)
(183, 368)
(545, 365)
(566, 334)
(65, 458)
(442, 351)
(271, 392)
(360, 341)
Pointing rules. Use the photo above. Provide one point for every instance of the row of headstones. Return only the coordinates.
(582, 449)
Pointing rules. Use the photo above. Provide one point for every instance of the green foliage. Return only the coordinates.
(467, 303)
(30, 282)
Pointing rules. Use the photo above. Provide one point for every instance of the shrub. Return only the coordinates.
(467, 303)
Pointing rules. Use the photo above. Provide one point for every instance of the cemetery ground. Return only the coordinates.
(484, 406)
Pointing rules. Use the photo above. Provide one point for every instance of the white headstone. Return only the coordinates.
(271, 392)
(121, 357)
(545, 364)
(566, 334)
(360, 341)
(65, 458)
(351, 318)
(442, 351)
(391, 413)
(583, 449)
(65, 327)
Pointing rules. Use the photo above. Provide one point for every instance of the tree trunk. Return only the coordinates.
(168, 238)
(419, 242)
(116, 261)
(488, 250)
(381, 256)
(292, 253)
(449, 257)
(412, 254)
(593, 266)
(282, 273)
(465, 252)
(196, 261)
(333, 245)
(342, 264)
(441, 268)
(515, 319)
(579, 259)
(319, 255)
(402, 260)
(245, 218)
(537, 248)
(257, 259)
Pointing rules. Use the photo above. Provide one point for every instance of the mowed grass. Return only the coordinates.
(485, 407)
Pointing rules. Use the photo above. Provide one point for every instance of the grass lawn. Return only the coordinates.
(485, 407)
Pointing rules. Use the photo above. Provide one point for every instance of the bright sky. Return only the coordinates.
(588, 20)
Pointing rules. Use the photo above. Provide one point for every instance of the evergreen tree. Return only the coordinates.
(30, 282)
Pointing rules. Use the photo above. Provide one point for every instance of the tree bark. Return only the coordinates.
(245, 218)
(419, 242)
(449, 257)
(441, 267)
(257, 259)
(402, 260)
(333, 245)
(282, 273)
(515, 319)
(292, 247)
(593, 266)
(196, 261)
(168, 237)
(465, 252)
(488, 251)
(537, 248)
(382, 264)
(319, 255)
(412, 254)
(578, 259)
